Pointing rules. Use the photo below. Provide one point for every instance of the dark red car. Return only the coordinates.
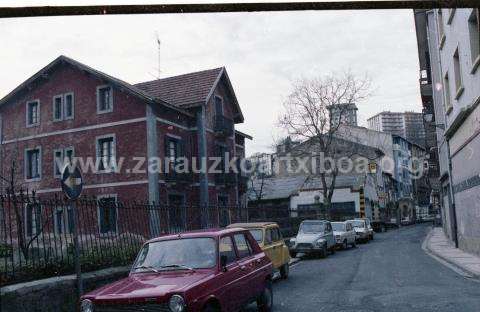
(213, 270)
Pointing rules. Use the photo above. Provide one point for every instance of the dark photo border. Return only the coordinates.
(12, 12)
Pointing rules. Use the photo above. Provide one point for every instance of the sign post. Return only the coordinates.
(72, 186)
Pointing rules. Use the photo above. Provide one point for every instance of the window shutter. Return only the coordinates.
(112, 215)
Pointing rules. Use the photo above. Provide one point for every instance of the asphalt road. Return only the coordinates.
(390, 273)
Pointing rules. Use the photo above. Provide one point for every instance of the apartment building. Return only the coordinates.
(343, 114)
(69, 110)
(451, 68)
(408, 125)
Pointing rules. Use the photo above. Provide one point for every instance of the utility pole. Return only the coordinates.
(158, 47)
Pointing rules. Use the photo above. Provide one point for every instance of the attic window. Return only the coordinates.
(33, 113)
(104, 99)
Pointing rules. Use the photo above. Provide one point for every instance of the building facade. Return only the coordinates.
(343, 114)
(407, 124)
(126, 139)
(453, 37)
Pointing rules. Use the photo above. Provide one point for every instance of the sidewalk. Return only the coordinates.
(438, 244)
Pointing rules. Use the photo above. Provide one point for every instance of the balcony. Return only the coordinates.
(229, 178)
(223, 126)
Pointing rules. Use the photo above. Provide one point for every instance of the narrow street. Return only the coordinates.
(391, 273)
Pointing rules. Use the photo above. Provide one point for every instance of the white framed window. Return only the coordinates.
(69, 105)
(33, 113)
(441, 29)
(57, 107)
(33, 219)
(61, 157)
(63, 220)
(458, 74)
(106, 153)
(104, 99)
(446, 94)
(33, 164)
(474, 32)
(107, 212)
(57, 162)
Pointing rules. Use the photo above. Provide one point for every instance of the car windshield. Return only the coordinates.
(338, 226)
(358, 223)
(312, 227)
(188, 253)
(257, 234)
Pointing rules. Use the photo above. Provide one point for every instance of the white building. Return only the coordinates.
(454, 55)
(408, 125)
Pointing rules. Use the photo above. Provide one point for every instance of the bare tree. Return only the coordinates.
(308, 112)
(258, 180)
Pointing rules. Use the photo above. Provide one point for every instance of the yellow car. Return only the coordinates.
(269, 238)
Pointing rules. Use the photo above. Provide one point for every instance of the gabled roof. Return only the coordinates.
(276, 188)
(188, 90)
(42, 73)
(183, 90)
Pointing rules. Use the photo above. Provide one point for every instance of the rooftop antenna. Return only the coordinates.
(158, 45)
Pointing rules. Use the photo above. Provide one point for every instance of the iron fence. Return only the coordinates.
(36, 234)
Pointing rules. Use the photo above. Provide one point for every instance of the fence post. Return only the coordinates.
(78, 270)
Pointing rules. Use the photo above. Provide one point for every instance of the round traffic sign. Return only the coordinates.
(72, 183)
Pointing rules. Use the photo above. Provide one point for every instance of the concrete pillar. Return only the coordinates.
(153, 177)
(203, 176)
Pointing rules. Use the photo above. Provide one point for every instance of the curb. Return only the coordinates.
(446, 261)
(294, 261)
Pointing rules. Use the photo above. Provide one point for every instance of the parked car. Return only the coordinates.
(344, 234)
(211, 270)
(314, 237)
(269, 238)
(363, 229)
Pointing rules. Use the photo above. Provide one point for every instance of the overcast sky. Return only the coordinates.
(263, 53)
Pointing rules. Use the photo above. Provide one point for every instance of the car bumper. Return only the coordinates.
(361, 235)
(307, 249)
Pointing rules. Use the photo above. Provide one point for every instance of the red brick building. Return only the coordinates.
(68, 109)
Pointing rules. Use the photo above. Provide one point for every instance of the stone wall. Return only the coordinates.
(56, 293)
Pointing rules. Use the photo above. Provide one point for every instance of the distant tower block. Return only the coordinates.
(345, 113)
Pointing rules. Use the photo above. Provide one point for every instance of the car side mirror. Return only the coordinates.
(223, 263)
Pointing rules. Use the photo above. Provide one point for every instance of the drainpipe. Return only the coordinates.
(202, 157)
(452, 192)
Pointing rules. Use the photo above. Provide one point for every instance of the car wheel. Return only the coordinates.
(293, 254)
(211, 308)
(265, 301)
(332, 250)
(354, 244)
(323, 253)
(345, 245)
(284, 271)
